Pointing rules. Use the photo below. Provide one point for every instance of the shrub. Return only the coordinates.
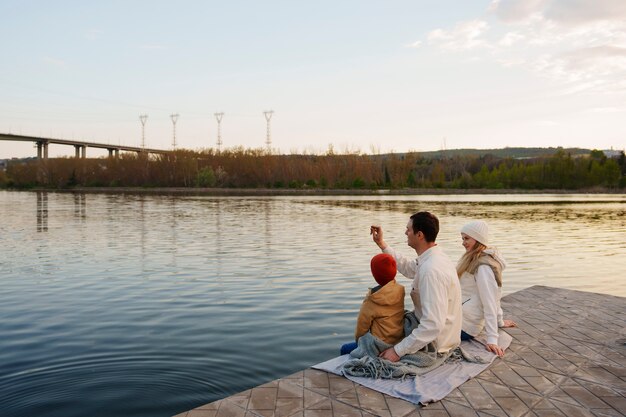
(358, 182)
(206, 177)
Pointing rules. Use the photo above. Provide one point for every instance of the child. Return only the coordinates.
(382, 311)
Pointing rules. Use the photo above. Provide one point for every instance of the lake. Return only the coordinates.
(146, 305)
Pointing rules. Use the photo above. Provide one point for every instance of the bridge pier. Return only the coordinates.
(113, 152)
(77, 148)
(84, 151)
(42, 149)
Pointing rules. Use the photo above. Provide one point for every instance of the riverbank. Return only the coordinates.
(311, 191)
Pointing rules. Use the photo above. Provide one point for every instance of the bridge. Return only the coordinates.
(80, 146)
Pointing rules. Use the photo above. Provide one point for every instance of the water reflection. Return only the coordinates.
(80, 206)
(145, 306)
(174, 230)
(42, 211)
(532, 211)
(218, 238)
(267, 236)
(142, 221)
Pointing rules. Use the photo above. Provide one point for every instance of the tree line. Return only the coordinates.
(256, 168)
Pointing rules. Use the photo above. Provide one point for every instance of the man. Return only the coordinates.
(436, 292)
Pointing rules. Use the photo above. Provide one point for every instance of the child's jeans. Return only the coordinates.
(348, 347)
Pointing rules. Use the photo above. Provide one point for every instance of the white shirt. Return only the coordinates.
(481, 303)
(436, 295)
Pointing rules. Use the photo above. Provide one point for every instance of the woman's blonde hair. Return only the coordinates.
(469, 260)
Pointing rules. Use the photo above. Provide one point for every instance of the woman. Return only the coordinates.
(480, 274)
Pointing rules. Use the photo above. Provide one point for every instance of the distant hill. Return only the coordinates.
(515, 153)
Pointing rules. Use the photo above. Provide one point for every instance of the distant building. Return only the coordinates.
(610, 153)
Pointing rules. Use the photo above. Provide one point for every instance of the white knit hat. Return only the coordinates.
(478, 230)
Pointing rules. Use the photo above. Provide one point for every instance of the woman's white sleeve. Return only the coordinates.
(488, 293)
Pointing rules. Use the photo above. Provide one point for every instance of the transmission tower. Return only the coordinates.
(143, 118)
(268, 141)
(218, 117)
(174, 118)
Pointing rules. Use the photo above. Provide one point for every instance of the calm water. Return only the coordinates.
(150, 305)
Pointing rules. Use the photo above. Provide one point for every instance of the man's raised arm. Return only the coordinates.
(406, 266)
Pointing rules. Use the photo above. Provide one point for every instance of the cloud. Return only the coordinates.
(606, 110)
(578, 43)
(464, 36)
(415, 44)
(562, 12)
(152, 47)
(516, 10)
(55, 62)
(545, 123)
(579, 12)
(600, 60)
(584, 64)
(511, 62)
(594, 56)
(93, 34)
(511, 38)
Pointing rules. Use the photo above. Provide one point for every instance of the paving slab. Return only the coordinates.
(567, 358)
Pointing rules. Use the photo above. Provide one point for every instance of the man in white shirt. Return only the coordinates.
(436, 292)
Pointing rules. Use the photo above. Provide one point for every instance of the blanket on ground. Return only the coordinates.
(433, 385)
(368, 364)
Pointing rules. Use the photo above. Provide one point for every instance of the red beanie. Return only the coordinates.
(383, 268)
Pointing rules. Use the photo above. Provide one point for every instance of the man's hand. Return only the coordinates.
(377, 236)
(389, 354)
(495, 349)
(509, 323)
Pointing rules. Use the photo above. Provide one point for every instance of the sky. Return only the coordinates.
(355, 75)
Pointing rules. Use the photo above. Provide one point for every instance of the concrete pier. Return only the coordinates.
(42, 149)
(567, 359)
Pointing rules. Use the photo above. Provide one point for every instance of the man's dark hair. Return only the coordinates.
(426, 223)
